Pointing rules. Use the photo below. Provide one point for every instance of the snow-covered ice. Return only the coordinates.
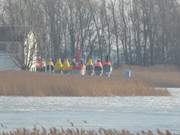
(133, 113)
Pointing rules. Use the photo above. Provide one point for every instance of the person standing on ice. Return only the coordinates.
(90, 67)
(98, 69)
(66, 67)
(107, 67)
(50, 65)
(58, 67)
(82, 67)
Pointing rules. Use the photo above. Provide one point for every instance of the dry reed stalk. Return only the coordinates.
(41, 84)
(75, 131)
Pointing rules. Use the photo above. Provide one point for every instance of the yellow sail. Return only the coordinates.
(50, 63)
(58, 65)
(90, 62)
(66, 65)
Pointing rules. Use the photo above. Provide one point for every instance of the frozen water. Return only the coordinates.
(6, 62)
(133, 113)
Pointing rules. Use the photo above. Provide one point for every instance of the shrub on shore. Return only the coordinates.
(54, 131)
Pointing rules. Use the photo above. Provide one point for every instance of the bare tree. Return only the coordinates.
(144, 31)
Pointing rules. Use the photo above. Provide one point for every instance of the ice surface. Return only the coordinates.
(6, 62)
(133, 113)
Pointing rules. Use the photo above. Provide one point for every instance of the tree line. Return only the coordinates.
(140, 32)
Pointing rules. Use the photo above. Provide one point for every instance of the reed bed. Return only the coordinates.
(54, 131)
(21, 83)
(166, 76)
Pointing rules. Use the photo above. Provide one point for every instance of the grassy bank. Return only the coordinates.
(55, 131)
(156, 76)
(40, 84)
